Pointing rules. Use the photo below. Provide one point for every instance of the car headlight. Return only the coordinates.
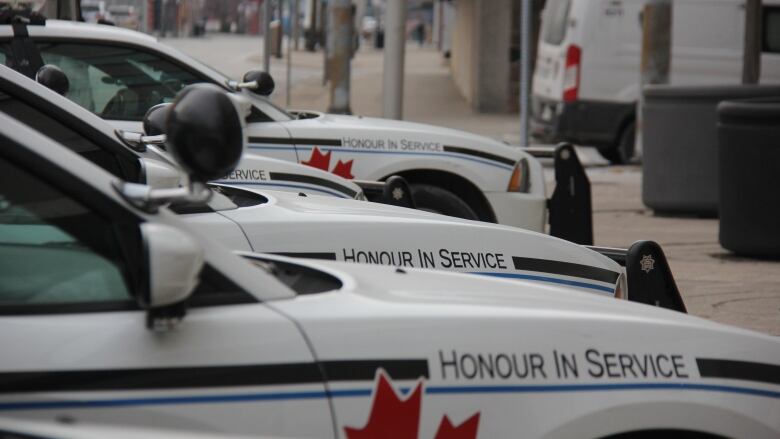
(621, 287)
(520, 181)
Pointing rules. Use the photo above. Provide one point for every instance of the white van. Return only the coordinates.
(586, 82)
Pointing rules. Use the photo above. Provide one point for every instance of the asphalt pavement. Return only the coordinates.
(715, 284)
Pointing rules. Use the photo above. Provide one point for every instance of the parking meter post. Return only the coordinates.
(295, 28)
(394, 41)
(751, 55)
(339, 54)
(525, 69)
(267, 12)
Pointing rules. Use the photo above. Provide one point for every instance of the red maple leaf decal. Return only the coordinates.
(319, 160)
(466, 430)
(393, 417)
(390, 417)
(344, 169)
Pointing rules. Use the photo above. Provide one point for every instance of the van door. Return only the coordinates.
(548, 80)
(75, 346)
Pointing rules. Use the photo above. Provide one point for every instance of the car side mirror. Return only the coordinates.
(173, 262)
(54, 78)
(258, 82)
(204, 131)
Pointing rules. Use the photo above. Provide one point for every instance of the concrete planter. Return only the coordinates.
(749, 153)
(679, 142)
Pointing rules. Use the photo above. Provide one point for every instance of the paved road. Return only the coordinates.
(714, 283)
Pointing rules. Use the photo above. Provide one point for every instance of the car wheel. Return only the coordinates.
(622, 152)
(626, 145)
(435, 199)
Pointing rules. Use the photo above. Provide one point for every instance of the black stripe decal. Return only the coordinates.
(308, 255)
(299, 178)
(565, 269)
(208, 376)
(298, 141)
(739, 370)
(475, 153)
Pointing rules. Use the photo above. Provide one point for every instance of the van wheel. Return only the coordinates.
(437, 200)
(623, 152)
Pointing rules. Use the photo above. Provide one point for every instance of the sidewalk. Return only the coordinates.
(714, 284)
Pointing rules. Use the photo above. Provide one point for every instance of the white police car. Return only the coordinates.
(344, 230)
(119, 74)
(314, 349)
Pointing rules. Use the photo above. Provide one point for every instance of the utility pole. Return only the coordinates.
(525, 70)
(268, 10)
(339, 54)
(656, 54)
(395, 41)
(751, 56)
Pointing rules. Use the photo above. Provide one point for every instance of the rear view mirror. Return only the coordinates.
(259, 82)
(173, 262)
(205, 132)
(52, 77)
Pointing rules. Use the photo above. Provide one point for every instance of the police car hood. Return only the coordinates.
(431, 295)
(291, 223)
(355, 126)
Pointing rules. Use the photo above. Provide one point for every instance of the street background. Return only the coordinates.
(715, 284)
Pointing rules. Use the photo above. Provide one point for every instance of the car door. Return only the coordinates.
(75, 345)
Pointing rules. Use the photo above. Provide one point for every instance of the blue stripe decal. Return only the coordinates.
(294, 186)
(361, 151)
(366, 392)
(555, 280)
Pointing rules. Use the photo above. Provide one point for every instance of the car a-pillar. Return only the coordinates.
(448, 194)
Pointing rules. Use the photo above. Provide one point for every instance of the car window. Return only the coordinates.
(116, 82)
(555, 19)
(771, 29)
(53, 249)
(62, 133)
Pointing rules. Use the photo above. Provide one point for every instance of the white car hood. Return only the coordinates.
(356, 124)
(353, 231)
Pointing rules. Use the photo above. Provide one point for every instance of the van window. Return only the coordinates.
(555, 21)
(771, 29)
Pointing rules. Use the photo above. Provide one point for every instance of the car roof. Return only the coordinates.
(61, 29)
(71, 29)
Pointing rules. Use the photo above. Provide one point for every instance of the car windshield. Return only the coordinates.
(555, 20)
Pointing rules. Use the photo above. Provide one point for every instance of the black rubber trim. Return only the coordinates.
(299, 178)
(481, 154)
(298, 141)
(565, 269)
(309, 255)
(739, 370)
(208, 376)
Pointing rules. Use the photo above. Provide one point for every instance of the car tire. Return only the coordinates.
(438, 200)
(622, 152)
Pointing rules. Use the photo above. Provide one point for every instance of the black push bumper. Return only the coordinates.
(649, 278)
(569, 209)
(394, 191)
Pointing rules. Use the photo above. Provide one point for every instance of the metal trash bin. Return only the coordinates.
(749, 153)
(679, 145)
